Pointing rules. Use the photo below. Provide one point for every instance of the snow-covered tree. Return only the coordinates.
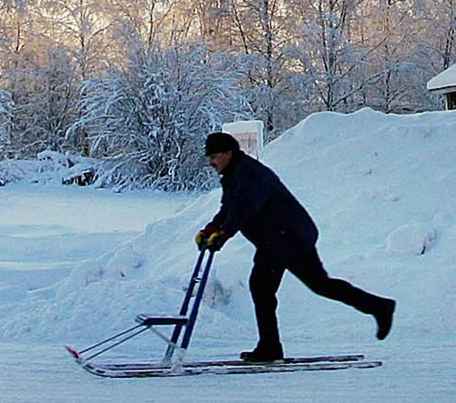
(330, 54)
(80, 26)
(442, 13)
(45, 101)
(6, 122)
(262, 31)
(435, 48)
(392, 20)
(152, 118)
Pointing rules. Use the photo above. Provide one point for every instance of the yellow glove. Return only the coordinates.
(203, 235)
(216, 240)
(200, 239)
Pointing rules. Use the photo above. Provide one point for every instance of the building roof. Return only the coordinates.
(444, 82)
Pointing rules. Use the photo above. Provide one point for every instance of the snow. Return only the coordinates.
(445, 79)
(78, 264)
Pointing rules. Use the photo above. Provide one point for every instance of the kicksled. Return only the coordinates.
(173, 363)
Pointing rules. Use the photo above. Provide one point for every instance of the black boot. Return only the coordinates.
(384, 318)
(263, 354)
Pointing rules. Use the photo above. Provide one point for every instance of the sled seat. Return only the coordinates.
(157, 320)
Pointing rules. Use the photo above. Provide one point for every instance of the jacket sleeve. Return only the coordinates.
(248, 194)
(219, 218)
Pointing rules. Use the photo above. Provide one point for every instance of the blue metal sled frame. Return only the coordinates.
(150, 322)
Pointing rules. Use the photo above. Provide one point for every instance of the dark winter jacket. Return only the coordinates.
(258, 204)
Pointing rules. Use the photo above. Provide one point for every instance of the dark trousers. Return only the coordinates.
(265, 281)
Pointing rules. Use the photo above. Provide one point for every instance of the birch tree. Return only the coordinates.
(329, 52)
(261, 30)
(6, 124)
(45, 105)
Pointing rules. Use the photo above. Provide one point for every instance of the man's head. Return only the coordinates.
(220, 148)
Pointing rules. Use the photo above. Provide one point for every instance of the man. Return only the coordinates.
(257, 203)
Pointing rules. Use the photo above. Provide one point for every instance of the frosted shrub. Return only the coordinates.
(151, 120)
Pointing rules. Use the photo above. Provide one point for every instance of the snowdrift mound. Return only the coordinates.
(147, 274)
(381, 189)
(50, 167)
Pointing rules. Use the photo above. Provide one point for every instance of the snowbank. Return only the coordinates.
(382, 190)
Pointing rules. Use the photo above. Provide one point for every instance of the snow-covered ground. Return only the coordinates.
(77, 264)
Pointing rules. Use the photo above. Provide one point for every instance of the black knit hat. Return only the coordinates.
(220, 142)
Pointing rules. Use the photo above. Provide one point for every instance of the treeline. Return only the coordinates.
(142, 82)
